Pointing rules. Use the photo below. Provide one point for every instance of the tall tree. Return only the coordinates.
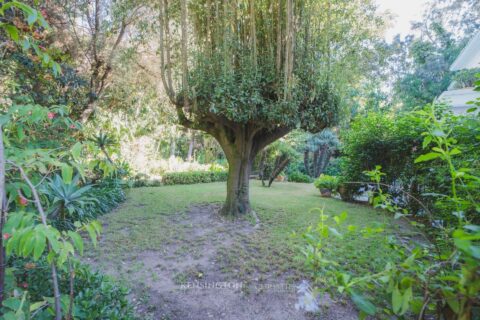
(251, 71)
(421, 64)
(93, 32)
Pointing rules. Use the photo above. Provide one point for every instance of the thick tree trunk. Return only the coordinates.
(238, 198)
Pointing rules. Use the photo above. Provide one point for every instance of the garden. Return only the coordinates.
(269, 159)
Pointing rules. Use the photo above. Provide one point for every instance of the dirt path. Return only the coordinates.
(186, 279)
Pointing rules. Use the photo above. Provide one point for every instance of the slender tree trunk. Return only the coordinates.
(322, 156)
(306, 162)
(278, 169)
(89, 110)
(325, 160)
(3, 213)
(262, 167)
(172, 148)
(191, 146)
(316, 154)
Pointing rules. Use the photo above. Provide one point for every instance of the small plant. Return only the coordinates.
(327, 185)
(68, 201)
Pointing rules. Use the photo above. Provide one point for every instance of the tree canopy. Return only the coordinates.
(248, 72)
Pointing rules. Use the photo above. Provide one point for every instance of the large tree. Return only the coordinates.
(250, 71)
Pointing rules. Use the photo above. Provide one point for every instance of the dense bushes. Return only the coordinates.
(96, 296)
(297, 176)
(435, 277)
(394, 142)
(194, 177)
(379, 139)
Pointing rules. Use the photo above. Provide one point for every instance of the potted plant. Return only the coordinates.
(327, 185)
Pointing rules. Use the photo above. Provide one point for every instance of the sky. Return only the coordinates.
(404, 11)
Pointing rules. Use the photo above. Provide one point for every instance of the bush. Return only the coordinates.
(334, 167)
(109, 194)
(327, 182)
(96, 296)
(194, 177)
(297, 176)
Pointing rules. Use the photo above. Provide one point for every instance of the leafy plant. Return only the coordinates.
(297, 176)
(437, 276)
(68, 201)
(103, 141)
(325, 182)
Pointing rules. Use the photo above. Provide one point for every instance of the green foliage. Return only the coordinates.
(191, 177)
(297, 176)
(321, 146)
(100, 297)
(30, 20)
(330, 183)
(436, 276)
(334, 167)
(96, 296)
(68, 200)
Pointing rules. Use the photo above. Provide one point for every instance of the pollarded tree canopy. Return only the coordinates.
(248, 71)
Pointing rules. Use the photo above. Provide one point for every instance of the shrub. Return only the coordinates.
(297, 176)
(194, 177)
(96, 296)
(327, 182)
(334, 167)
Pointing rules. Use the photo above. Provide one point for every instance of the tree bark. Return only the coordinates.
(241, 143)
(3, 214)
(262, 168)
(172, 148)
(238, 197)
(306, 161)
(316, 154)
(190, 147)
(278, 169)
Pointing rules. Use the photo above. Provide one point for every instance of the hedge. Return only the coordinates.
(191, 177)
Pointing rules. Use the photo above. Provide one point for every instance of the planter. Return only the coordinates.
(326, 193)
(280, 178)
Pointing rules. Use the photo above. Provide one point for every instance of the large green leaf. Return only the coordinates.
(362, 303)
(427, 157)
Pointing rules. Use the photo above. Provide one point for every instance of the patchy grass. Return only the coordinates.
(163, 237)
(142, 224)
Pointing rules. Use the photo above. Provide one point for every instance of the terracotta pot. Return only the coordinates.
(280, 178)
(326, 193)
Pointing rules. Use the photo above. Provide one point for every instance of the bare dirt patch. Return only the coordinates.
(186, 279)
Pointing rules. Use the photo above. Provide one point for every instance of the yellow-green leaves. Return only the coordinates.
(67, 173)
(428, 157)
(77, 241)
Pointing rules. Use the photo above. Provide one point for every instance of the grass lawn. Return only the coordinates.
(144, 223)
